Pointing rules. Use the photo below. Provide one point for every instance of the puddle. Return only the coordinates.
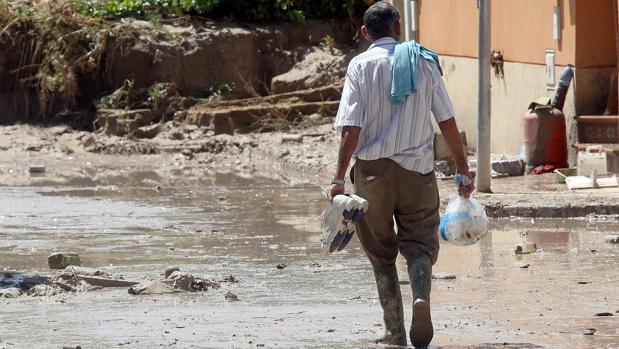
(245, 227)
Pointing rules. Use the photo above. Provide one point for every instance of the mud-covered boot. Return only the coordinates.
(390, 297)
(420, 274)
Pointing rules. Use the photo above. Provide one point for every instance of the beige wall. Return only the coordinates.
(522, 30)
(510, 99)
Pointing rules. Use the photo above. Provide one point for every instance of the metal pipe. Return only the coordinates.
(415, 19)
(407, 20)
(484, 165)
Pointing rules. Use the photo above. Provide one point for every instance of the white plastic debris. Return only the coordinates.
(525, 247)
(464, 223)
(338, 221)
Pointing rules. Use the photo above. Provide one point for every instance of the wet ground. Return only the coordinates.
(225, 225)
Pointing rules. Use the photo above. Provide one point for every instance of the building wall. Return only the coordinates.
(511, 96)
(521, 29)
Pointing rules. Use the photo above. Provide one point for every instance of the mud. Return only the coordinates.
(138, 221)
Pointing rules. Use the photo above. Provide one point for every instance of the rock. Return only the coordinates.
(318, 68)
(36, 168)
(152, 287)
(525, 247)
(11, 292)
(589, 331)
(284, 153)
(292, 138)
(231, 297)
(523, 265)
(169, 270)
(63, 260)
(148, 132)
(181, 281)
(612, 239)
(281, 266)
(315, 117)
(604, 314)
(46, 290)
(22, 281)
(443, 276)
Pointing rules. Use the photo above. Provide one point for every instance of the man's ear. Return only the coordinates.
(396, 29)
(366, 35)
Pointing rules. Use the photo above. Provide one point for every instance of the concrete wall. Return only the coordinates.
(511, 96)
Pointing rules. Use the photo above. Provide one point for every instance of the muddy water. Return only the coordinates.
(233, 226)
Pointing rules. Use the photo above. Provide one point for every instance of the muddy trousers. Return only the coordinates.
(395, 192)
(412, 199)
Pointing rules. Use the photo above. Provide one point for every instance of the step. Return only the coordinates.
(598, 129)
(231, 118)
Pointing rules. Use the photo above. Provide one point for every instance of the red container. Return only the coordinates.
(545, 140)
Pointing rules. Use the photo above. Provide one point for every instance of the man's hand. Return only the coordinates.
(466, 190)
(333, 190)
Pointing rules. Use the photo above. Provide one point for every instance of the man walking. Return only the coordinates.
(385, 122)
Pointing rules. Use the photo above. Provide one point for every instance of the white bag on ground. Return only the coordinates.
(464, 223)
(337, 221)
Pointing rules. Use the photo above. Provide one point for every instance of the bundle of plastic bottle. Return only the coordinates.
(338, 221)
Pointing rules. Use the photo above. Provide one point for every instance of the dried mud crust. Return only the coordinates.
(182, 153)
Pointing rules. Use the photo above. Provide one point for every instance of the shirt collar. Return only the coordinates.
(383, 41)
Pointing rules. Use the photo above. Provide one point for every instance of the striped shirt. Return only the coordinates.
(402, 132)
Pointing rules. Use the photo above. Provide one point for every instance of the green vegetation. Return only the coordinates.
(251, 10)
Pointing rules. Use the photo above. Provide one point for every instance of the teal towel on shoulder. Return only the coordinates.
(404, 69)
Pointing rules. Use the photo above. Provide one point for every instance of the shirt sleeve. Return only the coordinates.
(441, 104)
(350, 111)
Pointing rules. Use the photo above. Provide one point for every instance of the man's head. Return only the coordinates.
(381, 20)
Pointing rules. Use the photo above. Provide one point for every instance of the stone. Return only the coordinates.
(231, 297)
(443, 276)
(63, 260)
(281, 266)
(36, 168)
(523, 265)
(525, 247)
(11, 292)
(612, 239)
(169, 270)
(315, 117)
(589, 331)
(292, 138)
(604, 314)
(182, 281)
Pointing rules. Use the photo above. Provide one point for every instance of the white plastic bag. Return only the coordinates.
(337, 221)
(464, 223)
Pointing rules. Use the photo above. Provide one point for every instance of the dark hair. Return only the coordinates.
(380, 18)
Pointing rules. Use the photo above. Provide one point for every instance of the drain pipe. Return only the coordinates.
(483, 106)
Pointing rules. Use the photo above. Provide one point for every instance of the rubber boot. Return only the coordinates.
(420, 274)
(390, 297)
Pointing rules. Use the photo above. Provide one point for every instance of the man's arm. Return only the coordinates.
(449, 128)
(348, 144)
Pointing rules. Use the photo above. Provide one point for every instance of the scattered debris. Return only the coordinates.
(590, 331)
(525, 247)
(169, 270)
(292, 138)
(443, 276)
(11, 292)
(612, 239)
(36, 168)
(177, 282)
(63, 260)
(231, 297)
